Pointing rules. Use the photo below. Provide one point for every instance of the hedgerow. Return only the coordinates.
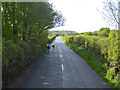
(17, 56)
(106, 49)
(52, 37)
(104, 32)
(25, 35)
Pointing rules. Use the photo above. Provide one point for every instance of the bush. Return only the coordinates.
(62, 34)
(88, 33)
(95, 33)
(12, 59)
(52, 37)
(81, 33)
(104, 32)
(17, 55)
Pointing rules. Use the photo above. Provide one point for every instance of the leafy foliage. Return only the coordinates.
(95, 33)
(51, 37)
(88, 33)
(105, 48)
(25, 34)
(104, 32)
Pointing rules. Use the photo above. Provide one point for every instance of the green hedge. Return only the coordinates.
(25, 35)
(106, 49)
(17, 55)
(52, 37)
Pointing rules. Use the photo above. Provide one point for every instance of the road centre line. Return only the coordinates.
(59, 50)
(60, 56)
(62, 67)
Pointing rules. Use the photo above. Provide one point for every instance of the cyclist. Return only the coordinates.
(53, 45)
(48, 47)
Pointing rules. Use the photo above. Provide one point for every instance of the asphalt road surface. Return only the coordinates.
(63, 68)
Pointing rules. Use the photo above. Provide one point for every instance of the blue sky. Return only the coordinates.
(81, 15)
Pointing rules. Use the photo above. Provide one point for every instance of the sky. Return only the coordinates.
(80, 15)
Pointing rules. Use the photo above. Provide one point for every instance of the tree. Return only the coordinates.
(27, 20)
(104, 32)
(111, 12)
(25, 34)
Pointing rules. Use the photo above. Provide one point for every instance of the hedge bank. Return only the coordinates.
(106, 49)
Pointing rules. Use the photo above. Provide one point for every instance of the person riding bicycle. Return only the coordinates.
(48, 47)
(53, 45)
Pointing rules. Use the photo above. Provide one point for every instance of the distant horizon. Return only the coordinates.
(64, 30)
(81, 32)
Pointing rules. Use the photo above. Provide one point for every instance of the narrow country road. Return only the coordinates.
(63, 68)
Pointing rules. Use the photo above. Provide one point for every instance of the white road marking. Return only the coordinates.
(60, 56)
(42, 77)
(45, 83)
(59, 50)
(62, 67)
